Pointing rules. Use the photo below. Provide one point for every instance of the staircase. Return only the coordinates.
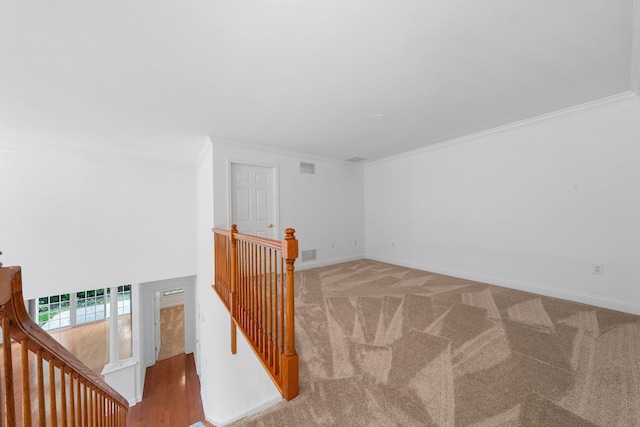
(43, 383)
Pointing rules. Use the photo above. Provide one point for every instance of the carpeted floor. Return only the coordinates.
(386, 345)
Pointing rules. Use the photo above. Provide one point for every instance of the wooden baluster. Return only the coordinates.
(93, 405)
(42, 415)
(97, 414)
(26, 389)
(290, 358)
(247, 286)
(9, 401)
(250, 294)
(100, 411)
(254, 293)
(216, 261)
(281, 314)
(269, 304)
(234, 278)
(85, 409)
(2, 396)
(63, 396)
(259, 300)
(249, 289)
(72, 401)
(242, 298)
(78, 414)
(264, 304)
(53, 410)
(274, 309)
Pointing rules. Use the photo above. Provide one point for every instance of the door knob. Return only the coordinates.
(270, 225)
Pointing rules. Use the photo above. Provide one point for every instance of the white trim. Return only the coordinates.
(273, 150)
(118, 366)
(579, 297)
(588, 106)
(635, 49)
(258, 408)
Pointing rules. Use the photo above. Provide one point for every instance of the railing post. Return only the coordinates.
(9, 391)
(234, 278)
(290, 357)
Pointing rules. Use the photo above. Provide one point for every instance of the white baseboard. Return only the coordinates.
(580, 297)
(306, 265)
(259, 408)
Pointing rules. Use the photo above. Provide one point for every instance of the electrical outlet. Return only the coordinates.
(393, 244)
(355, 242)
(333, 244)
(597, 269)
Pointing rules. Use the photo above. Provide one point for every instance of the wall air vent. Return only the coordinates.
(356, 159)
(307, 167)
(308, 255)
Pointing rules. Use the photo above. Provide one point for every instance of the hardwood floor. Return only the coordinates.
(172, 332)
(90, 343)
(171, 395)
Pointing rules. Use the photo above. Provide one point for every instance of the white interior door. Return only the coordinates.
(253, 200)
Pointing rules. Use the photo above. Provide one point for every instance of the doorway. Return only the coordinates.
(169, 324)
(254, 207)
(149, 315)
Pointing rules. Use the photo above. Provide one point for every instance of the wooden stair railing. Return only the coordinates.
(254, 278)
(69, 394)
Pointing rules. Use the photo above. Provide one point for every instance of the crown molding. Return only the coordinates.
(273, 150)
(588, 106)
(635, 49)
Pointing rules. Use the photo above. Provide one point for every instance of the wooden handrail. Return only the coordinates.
(92, 396)
(254, 278)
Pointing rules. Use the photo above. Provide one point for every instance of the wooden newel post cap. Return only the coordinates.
(234, 228)
(290, 245)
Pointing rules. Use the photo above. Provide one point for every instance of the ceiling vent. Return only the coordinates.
(356, 159)
(307, 167)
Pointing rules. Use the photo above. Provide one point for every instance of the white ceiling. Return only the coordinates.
(151, 79)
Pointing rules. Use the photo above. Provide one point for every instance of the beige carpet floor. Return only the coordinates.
(383, 345)
(171, 332)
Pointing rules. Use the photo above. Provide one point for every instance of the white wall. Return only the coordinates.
(531, 207)
(326, 209)
(75, 223)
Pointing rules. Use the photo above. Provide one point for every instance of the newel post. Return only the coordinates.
(234, 285)
(290, 357)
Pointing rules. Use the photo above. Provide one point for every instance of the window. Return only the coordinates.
(68, 310)
(54, 311)
(90, 306)
(124, 300)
